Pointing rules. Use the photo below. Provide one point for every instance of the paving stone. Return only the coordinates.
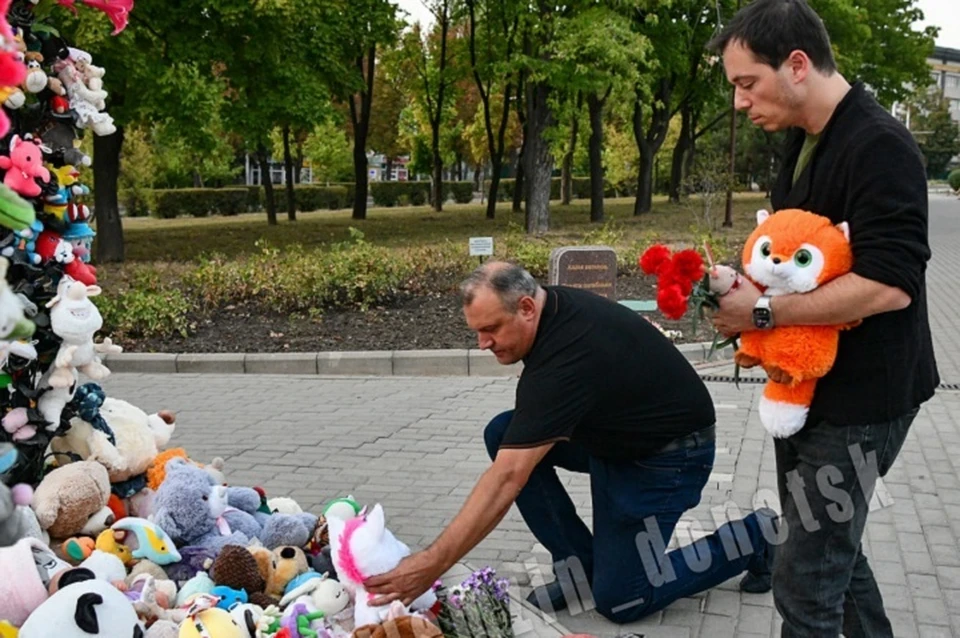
(416, 445)
(923, 586)
(931, 611)
(754, 619)
(718, 627)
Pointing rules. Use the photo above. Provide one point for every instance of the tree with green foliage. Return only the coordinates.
(935, 131)
(874, 41)
(428, 56)
(390, 86)
(362, 28)
(158, 69)
(493, 28)
(595, 51)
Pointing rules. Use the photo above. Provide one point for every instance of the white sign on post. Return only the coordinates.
(481, 246)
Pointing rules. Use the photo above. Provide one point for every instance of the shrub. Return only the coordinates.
(350, 273)
(136, 201)
(309, 197)
(200, 202)
(146, 309)
(389, 194)
(462, 191)
(954, 179)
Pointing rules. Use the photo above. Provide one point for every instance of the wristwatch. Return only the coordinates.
(763, 313)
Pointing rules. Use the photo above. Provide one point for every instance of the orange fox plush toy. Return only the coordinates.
(792, 251)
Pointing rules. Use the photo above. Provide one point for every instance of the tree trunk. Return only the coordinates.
(684, 142)
(566, 169)
(361, 189)
(106, 171)
(298, 164)
(495, 149)
(388, 176)
(288, 169)
(360, 116)
(644, 181)
(595, 106)
(538, 160)
(267, 179)
(649, 142)
(518, 185)
(437, 186)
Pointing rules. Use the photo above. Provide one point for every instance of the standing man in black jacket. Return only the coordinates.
(850, 160)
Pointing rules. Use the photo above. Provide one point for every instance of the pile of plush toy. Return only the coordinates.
(104, 529)
(185, 555)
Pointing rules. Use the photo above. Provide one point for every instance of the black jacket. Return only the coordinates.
(867, 170)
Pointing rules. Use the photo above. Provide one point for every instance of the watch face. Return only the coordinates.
(761, 317)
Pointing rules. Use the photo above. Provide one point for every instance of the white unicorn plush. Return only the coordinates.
(363, 547)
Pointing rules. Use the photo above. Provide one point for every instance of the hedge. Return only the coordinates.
(954, 179)
(198, 202)
(201, 202)
(580, 188)
(307, 197)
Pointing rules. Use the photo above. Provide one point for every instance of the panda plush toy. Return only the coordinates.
(83, 606)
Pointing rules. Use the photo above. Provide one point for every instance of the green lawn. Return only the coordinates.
(186, 239)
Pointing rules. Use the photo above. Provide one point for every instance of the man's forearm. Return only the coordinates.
(843, 300)
(486, 506)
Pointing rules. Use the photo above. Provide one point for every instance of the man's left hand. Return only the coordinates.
(736, 310)
(407, 581)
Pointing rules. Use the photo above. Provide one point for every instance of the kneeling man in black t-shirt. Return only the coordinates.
(602, 392)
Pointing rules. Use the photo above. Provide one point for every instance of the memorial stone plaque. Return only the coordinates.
(592, 268)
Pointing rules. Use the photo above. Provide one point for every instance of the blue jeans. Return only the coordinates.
(826, 474)
(636, 506)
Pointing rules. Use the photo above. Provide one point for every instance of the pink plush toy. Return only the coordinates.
(12, 69)
(23, 166)
(363, 547)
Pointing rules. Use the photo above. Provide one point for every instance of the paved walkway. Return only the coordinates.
(415, 445)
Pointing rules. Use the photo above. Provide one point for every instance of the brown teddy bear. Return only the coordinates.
(236, 567)
(403, 627)
(72, 500)
(279, 567)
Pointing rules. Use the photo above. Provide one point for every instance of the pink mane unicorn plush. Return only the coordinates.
(363, 547)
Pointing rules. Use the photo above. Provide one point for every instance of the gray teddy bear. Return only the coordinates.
(194, 511)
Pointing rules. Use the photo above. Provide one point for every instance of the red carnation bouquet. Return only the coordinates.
(677, 274)
(683, 280)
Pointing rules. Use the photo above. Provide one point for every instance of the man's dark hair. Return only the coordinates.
(771, 29)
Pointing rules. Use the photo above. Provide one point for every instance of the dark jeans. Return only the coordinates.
(822, 584)
(626, 571)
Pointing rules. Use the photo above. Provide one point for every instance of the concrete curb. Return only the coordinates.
(376, 363)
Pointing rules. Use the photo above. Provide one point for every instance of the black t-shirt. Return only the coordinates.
(602, 376)
(867, 170)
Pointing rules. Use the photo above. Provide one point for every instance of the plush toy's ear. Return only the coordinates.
(93, 291)
(166, 522)
(86, 614)
(845, 229)
(335, 529)
(250, 621)
(376, 520)
(762, 215)
(75, 575)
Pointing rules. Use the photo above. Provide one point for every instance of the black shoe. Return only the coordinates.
(759, 578)
(549, 597)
